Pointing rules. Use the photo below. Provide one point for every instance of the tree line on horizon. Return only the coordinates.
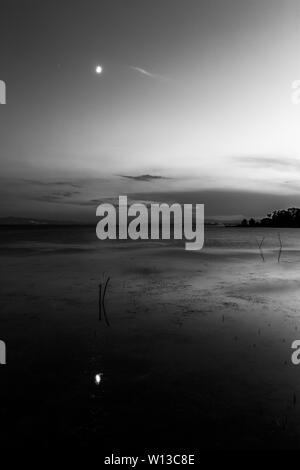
(278, 218)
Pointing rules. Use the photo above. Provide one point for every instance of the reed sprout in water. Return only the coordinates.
(101, 300)
(280, 248)
(260, 244)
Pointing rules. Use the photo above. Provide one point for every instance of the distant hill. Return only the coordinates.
(32, 222)
(23, 221)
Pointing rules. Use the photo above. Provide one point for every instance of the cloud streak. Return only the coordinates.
(148, 74)
(52, 183)
(56, 197)
(146, 178)
(269, 162)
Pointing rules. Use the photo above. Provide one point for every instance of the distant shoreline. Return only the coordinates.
(79, 226)
(44, 226)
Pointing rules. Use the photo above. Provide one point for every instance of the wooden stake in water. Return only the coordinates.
(280, 247)
(260, 248)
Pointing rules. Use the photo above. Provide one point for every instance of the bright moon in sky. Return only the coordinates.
(98, 379)
(99, 69)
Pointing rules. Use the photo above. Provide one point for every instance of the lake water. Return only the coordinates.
(196, 353)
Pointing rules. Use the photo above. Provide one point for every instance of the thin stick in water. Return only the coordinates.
(100, 300)
(105, 287)
(260, 248)
(280, 247)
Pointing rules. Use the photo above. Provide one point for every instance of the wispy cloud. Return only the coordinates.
(56, 196)
(146, 178)
(52, 183)
(149, 74)
(114, 201)
(269, 162)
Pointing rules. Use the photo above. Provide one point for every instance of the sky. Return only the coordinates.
(193, 105)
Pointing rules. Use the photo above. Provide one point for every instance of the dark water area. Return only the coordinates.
(186, 361)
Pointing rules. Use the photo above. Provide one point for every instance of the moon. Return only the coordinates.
(99, 69)
(98, 378)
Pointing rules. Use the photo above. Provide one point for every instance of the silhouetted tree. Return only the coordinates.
(282, 218)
